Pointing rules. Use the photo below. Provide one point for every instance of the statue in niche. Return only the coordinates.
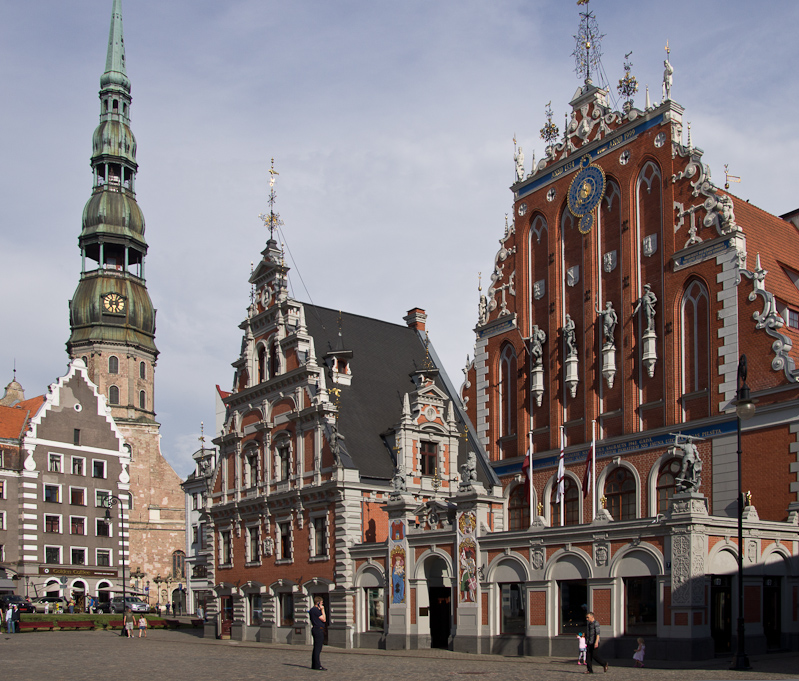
(609, 321)
(570, 337)
(537, 341)
(468, 473)
(398, 482)
(647, 301)
(690, 476)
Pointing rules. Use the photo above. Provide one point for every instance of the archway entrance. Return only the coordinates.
(103, 592)
(721, 612)
(439, 594)
(79, 594)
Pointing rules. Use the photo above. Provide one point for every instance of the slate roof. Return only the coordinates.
(384, 356)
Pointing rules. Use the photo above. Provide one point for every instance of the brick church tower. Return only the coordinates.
(112, 323)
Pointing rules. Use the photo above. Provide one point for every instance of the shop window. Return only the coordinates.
(641, 606)
(375, 605)
(620, 494)
(256, 610)
(573, 605)
(667, 483)
(518, 509)
(286, 610)
(513, 617)
(428, 458)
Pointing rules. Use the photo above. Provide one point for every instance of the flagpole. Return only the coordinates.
(561, 482)
(593, 470)
(530, 470)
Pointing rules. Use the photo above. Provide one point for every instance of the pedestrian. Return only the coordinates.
(200, 614)
(10, 619)
(46, 608)
(71, 606)
(143, 626)
(592, 644)
(318, 621)
(15, 618)
(581, 646)
(167, 607)
(127, 623)
(638, 655)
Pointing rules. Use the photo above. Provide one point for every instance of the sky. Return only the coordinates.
(391, 124)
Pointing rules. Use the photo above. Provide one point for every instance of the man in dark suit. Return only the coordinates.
(592, 644)
(318, 620)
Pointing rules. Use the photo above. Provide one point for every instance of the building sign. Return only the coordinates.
(75, 572)
(706, 253)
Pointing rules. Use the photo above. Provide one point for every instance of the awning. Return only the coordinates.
(7, 585)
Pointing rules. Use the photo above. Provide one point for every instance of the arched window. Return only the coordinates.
(142, 400)
(571, 510)
(507, 392)
(178, 565)
(518, 509)
(620, 494)
(142, 370)
(667, 483)
(261, 364)
(274, 361)
(113, 394)
(113, 365)
(695, 337)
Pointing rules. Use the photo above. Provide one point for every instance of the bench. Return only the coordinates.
(75, 624)
(197, 623)
(114, 624)
(156, 623)
(35, 626)
(172, 623)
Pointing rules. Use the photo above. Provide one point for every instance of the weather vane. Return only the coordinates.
(272, 221)
(628, 85)
(588, 45)
(202, 436)
(729, 178)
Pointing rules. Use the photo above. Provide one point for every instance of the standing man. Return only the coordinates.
(10, 619)
(318, 620)
(592, 644)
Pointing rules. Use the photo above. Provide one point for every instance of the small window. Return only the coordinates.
(429, 458)
(102, 527)
(113, 394)
(52, 555)
(101, 498)
(195, 535)
(54, 463)
(179, 564)
(142, 400)
(103, 558)
(320, 536)
(256, 609)
(113, 365)
(52, 494)
(286, 610)
(226, 548)
(254, 544)
(77, 525)
(98, 469)
(78, 465)
(285, 541)
(793, 319)
(76, 437)
(142, 370)
(52, 524)
(283, 456)
(77, 496)
(2, 489)
(78, 556)
(2, 520)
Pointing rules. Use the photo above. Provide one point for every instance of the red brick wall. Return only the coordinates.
(484, 599)
(538, 608)
(600, 604)
(752, 603)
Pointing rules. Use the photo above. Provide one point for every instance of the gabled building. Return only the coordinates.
(330, 414)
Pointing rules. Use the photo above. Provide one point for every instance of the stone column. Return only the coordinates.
(399, 600)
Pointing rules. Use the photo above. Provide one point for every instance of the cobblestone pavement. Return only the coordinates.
(178, 655)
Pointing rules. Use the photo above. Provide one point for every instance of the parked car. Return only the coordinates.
(21, 602)
(102, 606)
(131, 603)
(55, 603)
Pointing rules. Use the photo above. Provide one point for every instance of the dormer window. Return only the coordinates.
(429, 458)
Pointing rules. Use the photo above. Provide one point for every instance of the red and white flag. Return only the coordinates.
(561, 470)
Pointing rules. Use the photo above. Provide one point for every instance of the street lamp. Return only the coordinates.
(137, 575)
(744, 409)
(110, 501)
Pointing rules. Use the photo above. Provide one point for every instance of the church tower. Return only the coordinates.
(112, 320)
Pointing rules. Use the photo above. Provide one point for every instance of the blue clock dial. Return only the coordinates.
(585, 193)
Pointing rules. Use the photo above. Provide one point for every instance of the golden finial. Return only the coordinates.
(202, 436)
(480, 282)
(667, 48)
(336, 392)
(540, 507)
(748, 497)
(603, 500)
(428, 363)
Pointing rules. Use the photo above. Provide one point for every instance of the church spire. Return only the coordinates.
(115, 73)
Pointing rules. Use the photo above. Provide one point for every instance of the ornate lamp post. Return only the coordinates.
(745, 409)
(111, 501)
(137, 575)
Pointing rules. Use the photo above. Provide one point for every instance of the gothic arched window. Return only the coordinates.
(142, 400)
(274, 361)
(695, 337)
(571, 510)
(178, 565)
(507, 392)
(620, 494)
(113, 394)
(261, 364)
(518, 509)
(667, 483)
(142, 371)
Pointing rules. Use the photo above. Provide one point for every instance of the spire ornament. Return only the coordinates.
(272, 221)
(588, 46)
(628, 85)
(550, 132)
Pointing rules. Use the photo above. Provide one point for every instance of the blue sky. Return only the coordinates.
(391, 124)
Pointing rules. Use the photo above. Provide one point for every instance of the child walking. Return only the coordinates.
(582, 647)
(142, 626)
(638, 655)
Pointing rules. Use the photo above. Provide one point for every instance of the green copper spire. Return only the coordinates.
(115, 73)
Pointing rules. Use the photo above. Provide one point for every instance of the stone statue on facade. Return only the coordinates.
(609, 321)
(398, 483)
(648, 300)
(690, 476)
(468, 473)
(570, 337)
(668, 73)
(537, 340)
(519, 158)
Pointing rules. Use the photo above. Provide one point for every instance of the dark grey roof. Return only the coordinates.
(384, 356)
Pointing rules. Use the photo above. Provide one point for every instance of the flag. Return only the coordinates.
(526, 472)
(587, 475)
(561, 472)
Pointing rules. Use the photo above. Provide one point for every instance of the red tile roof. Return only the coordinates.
(14, 420)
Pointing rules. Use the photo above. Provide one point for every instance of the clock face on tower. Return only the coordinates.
(113, 302)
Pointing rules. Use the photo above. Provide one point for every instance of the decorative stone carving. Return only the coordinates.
(537, 558)
(539, 289)
(689, 478)
(537, 341)
(519, 159)
(569, 337)
(573, 275)
(468, 474)
(609, 321)
(609, 261)
(650, 245)
(601, 555)
(398, 482)
(648, 300)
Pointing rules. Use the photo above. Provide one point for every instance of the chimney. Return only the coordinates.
(415, 319)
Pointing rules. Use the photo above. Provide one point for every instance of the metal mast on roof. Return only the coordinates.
(588, 45)
(272, 221)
